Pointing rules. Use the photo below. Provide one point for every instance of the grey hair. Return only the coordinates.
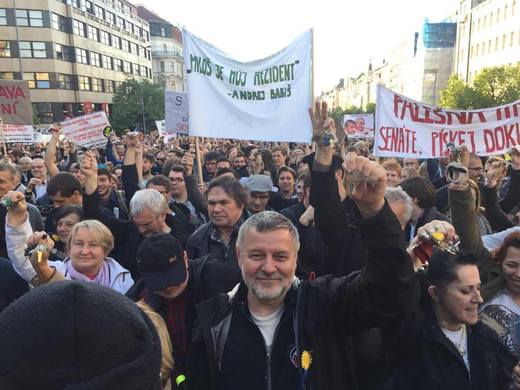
(267, 221)
(148, 199)
(398, 195)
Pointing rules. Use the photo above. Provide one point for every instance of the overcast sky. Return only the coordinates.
(347, 34)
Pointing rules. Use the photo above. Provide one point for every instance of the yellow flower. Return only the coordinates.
(306, 360)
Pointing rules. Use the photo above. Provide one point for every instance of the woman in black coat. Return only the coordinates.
(446, 347)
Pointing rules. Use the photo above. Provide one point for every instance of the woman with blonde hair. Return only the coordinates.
(87, 248)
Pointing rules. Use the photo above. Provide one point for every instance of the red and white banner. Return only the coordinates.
(86, 130)
(18, 133)
(408, 128)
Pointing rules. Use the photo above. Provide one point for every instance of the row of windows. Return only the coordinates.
(110, 17)
(42, 80)
(482, 48)
(98, 35)
(495, 17)
(82, 56)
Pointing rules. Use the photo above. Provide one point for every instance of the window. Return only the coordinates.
(489, 46)
(498, 15)
(37, 80)
(125, 45)
(93, 33)
(477, 50)
(512, 39)
(118, 64)
(496, 43)
(44, 112)
(79, 28)
(133, 48)
(142, 51)
(116, 42)
(95, 59)
(89, 7)
(505, 12)
(136, 69)
(484, 22)
(504, 41)
(59, 22)
(491, 19)
(147, 36)
(127, 68)
(99, 12)
(32, 49)
(81, 56)
(163, 32)
(161, 67)
(106, 61)
(139, 31)
(64, 53)
(144, 71)
(110, 17)
(109, 86)
(6, 76)
(5, 49)
(25, 17)
(172, 67)
(104, 37)
(97, 85)
(129, 27)
(120, 22)
(483, 48)
(84, 83)
(3, 17)
(66, 81)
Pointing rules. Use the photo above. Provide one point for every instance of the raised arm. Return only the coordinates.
(50, 153)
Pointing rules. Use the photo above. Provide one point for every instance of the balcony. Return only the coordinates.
(167, 54)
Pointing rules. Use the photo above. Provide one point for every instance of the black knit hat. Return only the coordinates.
(160, 259)
(74, 335)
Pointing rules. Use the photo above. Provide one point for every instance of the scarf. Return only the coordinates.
(103, 277)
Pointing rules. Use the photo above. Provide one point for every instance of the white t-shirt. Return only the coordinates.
(459, 338)
(267, 325)
(502, 315)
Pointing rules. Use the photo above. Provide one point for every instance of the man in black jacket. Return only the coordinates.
(148, 209)
(263, 333)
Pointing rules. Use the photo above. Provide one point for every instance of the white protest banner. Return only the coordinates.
(86, 130)
(358, 125)
(263, 100)
(407, 128)
(15, 102)
(176, 109)
(18, 133)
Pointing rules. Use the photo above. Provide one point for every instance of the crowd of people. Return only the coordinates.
(266, 266)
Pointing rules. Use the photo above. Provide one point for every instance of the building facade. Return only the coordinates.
(166, 47)
(488, 35)
(73, 53)
(418, 67)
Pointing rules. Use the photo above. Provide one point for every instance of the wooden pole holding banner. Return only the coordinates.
(4, 147)
(199, 162)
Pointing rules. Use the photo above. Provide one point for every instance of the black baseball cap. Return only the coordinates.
(160, 259)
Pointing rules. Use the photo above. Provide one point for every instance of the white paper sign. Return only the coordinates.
(408, 128)
(358, 125)
(18, 133)
(86, 130)
(176, 109)
(264, 100)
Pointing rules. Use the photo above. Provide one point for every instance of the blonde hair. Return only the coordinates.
(99, 231)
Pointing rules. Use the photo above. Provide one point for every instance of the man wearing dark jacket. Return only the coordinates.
(148, 209)
(263, 334)
(226, 200)
(172, 285)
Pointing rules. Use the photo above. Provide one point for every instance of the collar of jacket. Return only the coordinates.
(433, 332)
(214, 232)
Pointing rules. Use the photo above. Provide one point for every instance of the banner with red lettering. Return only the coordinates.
(408, 128)
(86, 130)
(15, 102)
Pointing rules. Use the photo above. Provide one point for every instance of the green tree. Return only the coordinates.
(492, 87)
(127, 105)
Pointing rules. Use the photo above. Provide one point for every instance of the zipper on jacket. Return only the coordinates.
(267, 352)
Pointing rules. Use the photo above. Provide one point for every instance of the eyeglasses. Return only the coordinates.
(476, 168)
(176, 179)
